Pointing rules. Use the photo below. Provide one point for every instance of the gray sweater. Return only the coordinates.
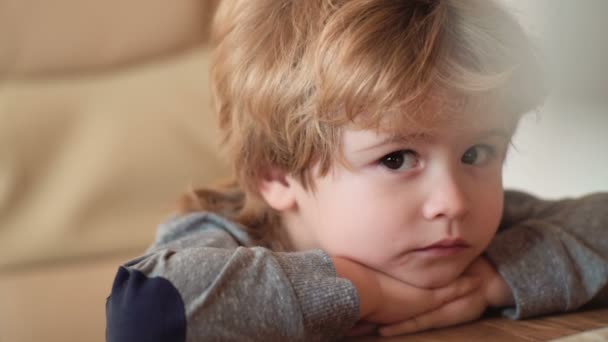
(203, 280)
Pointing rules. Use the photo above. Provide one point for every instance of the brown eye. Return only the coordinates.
(400, 160)
(478, 154)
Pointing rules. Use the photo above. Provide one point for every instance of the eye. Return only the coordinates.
(478, 155)
(400, 160)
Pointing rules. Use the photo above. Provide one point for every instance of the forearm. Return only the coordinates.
(220, 293)
(366, 284)
(223, 294)
(497, 292)
(555, 259)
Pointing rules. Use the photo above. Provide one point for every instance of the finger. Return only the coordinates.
(459, 288)
(462, 310)
(361, 329)
(421, 301)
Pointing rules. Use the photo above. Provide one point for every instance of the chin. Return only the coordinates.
(435, 282)
(431, 279)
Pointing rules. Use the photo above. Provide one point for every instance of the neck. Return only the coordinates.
(297, 236)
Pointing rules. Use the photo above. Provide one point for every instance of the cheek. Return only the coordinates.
(490, 213)
(357, 222)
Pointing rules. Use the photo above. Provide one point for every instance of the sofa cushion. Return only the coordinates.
(91, 163)
(42, 37)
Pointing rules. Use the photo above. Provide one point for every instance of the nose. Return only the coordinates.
(446, 197)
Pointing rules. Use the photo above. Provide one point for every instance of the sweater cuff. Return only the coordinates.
(328, 303)
(529, 262)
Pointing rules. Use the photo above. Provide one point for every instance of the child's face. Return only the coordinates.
(420, 209)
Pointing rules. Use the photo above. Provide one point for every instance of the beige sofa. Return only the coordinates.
(105, 118)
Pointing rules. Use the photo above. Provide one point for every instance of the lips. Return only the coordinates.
(447, 243)
(445, 247)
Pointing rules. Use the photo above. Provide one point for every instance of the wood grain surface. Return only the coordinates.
(505, 330)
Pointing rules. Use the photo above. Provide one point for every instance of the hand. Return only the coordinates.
(363, 329)
(386, 300)
(493, 292)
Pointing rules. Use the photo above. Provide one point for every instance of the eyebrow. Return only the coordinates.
(499, 132)
(397, 138)
(408, 138)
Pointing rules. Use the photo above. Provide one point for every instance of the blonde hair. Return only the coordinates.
(289, 75)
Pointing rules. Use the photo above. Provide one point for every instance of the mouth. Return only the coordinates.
(445, 247)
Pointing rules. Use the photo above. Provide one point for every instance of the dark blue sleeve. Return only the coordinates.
(144, 309)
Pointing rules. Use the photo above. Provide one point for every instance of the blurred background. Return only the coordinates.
(561, 150)
(105, 119)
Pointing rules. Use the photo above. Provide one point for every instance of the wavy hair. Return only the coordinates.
(288, 76)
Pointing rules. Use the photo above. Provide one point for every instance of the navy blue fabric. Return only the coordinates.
(144, 309)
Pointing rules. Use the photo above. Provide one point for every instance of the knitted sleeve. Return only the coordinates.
(200, 281)
(552, 254)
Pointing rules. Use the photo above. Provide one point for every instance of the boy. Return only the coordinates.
(367, 139)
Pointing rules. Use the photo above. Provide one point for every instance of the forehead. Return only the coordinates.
(360, 140)
(439, 113)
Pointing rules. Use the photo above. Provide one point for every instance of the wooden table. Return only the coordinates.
(505, 330)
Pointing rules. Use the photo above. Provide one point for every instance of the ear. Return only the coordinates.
(276, 189)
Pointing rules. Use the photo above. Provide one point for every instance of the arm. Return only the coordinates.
(552, 254)
(199, 282)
